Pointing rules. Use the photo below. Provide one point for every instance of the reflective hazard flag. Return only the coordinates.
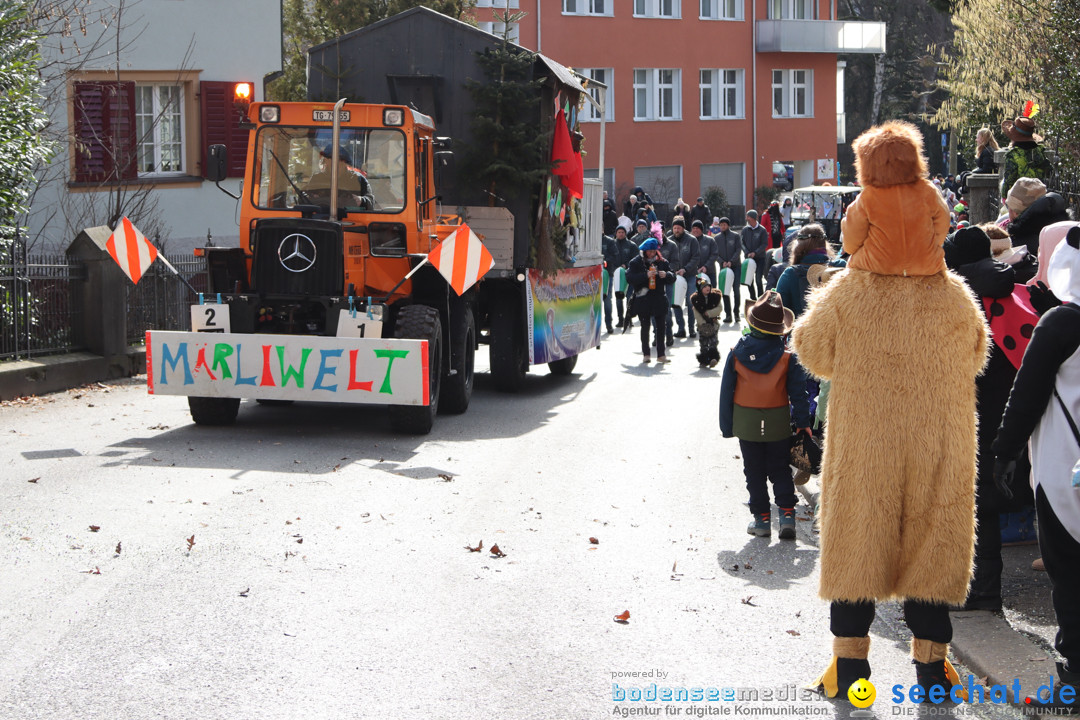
(131, 250)
(462, 259)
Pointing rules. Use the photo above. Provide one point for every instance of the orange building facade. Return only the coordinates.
(702, 93)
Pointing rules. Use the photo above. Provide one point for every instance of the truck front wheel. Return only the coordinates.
(420, 322)
(213, 411)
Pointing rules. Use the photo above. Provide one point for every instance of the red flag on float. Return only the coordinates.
(131, 250)
(462, 259)
(567, 163)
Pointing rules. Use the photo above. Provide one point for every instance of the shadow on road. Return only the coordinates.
(317, 438)
(769, 564)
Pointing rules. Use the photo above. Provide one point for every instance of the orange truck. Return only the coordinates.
(330, 296)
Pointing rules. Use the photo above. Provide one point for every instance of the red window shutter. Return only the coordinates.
(104, 131)
(221, 124)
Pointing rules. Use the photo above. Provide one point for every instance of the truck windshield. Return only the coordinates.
(292, 168)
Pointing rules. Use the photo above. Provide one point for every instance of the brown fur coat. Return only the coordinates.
(898, 475)
(899, 221)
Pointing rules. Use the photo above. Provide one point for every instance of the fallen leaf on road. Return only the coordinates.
(496, 552)
(300, 541)
(24, 538)
(594, 541)
(673, 565)
(117, 548)
(336, 467)
(95, 571)
(623, 618)
(478, 548)
(191, 542)
(288, 522)
(768, 572)
(33, 480)
(794, 633)
(244, 593)
(95, 528)
(798, 613)
(446, 478)
(748, 566)
(746, 601)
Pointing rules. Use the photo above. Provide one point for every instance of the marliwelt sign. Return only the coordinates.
(288, 367)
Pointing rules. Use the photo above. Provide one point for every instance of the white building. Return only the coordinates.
(138, 90)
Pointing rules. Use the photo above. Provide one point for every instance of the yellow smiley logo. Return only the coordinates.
(862, 693)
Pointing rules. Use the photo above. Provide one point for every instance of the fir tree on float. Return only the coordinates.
(506, 154)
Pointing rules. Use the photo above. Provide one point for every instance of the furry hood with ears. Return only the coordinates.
(890, 154)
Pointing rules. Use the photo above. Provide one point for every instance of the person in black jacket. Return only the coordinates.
(729, 255)
(650, 274)
(610, 252)
(625, 251)
(685, 262)
(611, 218)
(1043, 405)
(755, 243)
(707, 252)
(701, 212)
(968, 254)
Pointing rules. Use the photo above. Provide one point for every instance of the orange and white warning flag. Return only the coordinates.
(462, 259)
(131, 250)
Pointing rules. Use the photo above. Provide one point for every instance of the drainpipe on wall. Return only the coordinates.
(538, 48)
(753, 85)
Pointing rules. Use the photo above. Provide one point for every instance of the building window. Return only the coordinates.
(497, 4)
(791, 10)
(151, 124)
(590, 113)
(657, 94)
(663, 183)
(657, 8)
(159, 129)
(721, 9)
(498, 29)
(793, 93)
(587, 7)
(721, 94)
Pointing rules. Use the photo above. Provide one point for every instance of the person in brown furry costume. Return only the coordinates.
(898, 475)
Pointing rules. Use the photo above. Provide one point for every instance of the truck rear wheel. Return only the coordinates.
(420, 322)
(213, 411)
(509, 354)
(564, 366)
(457, 388)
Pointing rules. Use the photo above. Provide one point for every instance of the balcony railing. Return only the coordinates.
(820, 36)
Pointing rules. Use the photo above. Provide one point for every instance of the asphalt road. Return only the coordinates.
(307, 563)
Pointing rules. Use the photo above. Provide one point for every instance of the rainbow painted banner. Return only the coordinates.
(564, 312)
(288, 367)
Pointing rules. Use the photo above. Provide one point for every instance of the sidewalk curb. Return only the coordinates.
(988, 645)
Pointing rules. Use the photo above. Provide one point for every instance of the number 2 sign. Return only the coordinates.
(210, 317)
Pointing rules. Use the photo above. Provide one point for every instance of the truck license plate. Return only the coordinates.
(328, 115)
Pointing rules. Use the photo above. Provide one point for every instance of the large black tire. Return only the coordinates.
(563, 367)
(509, 353)
(457, 388)
(213, 411)
(420, 322)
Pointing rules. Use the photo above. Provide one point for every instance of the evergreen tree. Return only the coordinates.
(22, 117)
(507, 154)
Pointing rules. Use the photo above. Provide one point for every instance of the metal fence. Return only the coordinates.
(37, 315)
(160, 301)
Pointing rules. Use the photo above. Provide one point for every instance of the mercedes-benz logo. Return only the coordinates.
(296, 253)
